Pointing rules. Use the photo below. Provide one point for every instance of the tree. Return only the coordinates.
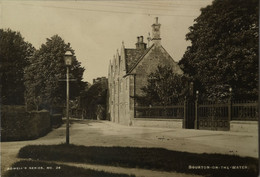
(94, 100)
(46, 74)
(14, 54)
(224, 50)
(164, 87)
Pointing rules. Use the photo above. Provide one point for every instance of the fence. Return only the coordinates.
(166, 112)
(240, 110)
(203, 115)
(244, 110)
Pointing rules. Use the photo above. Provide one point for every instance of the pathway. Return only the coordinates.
(104, 133)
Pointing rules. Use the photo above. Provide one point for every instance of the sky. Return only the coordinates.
(96, 29)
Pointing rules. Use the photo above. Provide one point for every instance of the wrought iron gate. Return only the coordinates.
(213, 116)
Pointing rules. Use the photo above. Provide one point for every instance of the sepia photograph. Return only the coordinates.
(129, 88)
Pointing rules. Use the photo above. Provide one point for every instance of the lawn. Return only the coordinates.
(26, 168)
(147, 158)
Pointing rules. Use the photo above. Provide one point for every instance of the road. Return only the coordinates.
(104, 133)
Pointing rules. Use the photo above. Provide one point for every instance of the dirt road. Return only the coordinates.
(104, 133)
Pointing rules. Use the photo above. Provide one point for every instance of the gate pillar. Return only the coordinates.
(189, 114)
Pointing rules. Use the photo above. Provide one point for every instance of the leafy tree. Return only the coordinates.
(94, 100)
(46, 75)
(224, 50)
(14, 54)
(164, 87)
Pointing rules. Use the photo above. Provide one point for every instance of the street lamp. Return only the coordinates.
(68, 61)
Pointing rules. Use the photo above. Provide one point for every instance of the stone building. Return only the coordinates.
(100, 79)
(128, 73)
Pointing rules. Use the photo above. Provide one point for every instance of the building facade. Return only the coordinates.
(129, 71)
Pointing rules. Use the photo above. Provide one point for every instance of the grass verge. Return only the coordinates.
(147, 158)
(26, 168)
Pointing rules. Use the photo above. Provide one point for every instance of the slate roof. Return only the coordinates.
(132, 56)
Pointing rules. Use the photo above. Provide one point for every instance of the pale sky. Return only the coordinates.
(96, 29)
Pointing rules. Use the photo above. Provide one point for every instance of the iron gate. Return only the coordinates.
(213, 116)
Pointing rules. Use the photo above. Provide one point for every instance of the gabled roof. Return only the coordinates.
(133, 56)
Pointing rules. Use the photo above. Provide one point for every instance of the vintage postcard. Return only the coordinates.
(138, 88)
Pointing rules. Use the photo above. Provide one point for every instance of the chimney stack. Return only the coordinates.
(156, 32)
(140, 43)
(137, 43)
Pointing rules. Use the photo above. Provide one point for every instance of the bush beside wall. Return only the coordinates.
(17, 124)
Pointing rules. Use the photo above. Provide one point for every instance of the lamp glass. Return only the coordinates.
(68, 58)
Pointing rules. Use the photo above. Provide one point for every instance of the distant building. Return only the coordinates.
(100, 79)
(128, 73)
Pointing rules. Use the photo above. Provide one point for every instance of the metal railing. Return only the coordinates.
(232, 110)
(244, 110)
(166, 112)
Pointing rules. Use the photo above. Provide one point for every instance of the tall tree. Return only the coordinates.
(45, 77)
(14, 54)
(164, 87)
(93, 100)
(224, 50)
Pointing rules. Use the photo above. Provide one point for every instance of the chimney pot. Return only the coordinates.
(138, 39)
(141, 39)
(156, 20)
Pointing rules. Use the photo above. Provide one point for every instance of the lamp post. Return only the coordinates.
(68, 61)
(196, 110)
(229, 107)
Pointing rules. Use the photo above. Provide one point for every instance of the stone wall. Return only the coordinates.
(163, 123)
(244, 126)
(17, 124)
